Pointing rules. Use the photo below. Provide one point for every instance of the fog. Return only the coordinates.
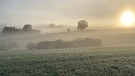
(54, 28)
(109, 37)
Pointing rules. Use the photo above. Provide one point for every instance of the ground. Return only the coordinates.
(101, 61)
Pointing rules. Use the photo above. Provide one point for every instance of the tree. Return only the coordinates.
(82, 25)
(27, 27)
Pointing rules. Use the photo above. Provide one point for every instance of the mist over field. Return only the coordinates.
(109, 37)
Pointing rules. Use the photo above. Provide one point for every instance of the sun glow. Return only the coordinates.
(128, 19)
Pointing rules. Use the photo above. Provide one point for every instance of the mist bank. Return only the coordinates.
(109, 37)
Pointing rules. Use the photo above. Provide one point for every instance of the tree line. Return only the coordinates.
(13, 30)
(82, 25)
(77, 43)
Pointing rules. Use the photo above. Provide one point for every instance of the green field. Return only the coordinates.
(104, 61)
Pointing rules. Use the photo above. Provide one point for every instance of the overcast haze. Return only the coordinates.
(19, 12)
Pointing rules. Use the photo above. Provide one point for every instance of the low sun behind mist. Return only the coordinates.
(127, 19)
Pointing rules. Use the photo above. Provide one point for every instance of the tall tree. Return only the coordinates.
(82, 25)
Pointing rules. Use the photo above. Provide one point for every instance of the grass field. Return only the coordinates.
(103, 61)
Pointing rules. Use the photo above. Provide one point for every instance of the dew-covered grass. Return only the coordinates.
(103, 61)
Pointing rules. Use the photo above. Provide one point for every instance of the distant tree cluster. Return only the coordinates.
(55, 26)
(13, 30)
(86, 42)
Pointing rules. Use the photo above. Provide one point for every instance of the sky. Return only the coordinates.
(67, 12)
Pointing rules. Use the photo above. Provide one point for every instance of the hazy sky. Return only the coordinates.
(20, 12)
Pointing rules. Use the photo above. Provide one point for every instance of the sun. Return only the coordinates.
(128, 18)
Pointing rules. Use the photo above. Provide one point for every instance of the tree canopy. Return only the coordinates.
(82, 25)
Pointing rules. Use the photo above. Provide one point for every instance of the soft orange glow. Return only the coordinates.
(128, 19)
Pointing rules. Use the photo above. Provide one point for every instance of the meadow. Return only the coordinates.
(98, 61)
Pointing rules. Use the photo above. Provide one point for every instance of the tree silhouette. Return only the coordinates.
(82, 25)
(10, 30)
(27, 28)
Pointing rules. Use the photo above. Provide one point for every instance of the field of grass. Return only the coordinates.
(103, 61)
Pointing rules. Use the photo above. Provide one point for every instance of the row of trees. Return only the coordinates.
(13, 30)
(86, 42)
(82, 25)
